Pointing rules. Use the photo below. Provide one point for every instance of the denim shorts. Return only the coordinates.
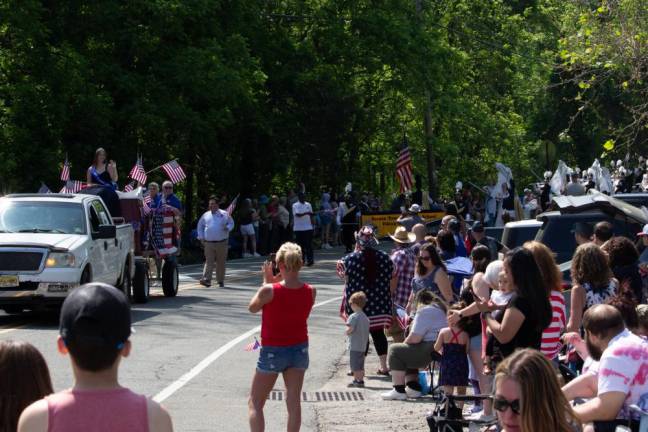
(274, 359)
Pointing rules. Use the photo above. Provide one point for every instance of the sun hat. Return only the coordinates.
(415, 208)
(366, 237)
(402, 236)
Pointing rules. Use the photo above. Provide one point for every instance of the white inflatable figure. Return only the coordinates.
(559, 179)
(501, 190)
(458, 186)
(644, 183)
(595, 173)
(606, 185)
(348, 188)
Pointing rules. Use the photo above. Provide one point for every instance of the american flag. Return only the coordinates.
(232, 206)
(73, 186)
(174, 171)
(404, 168)
(137, 172)
(129, 187)
(253, 346)
(65, 172)
(401, 317)
(44, 189)
(146, 208)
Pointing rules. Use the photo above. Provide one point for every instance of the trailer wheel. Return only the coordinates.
(170, 278)
(141, 283)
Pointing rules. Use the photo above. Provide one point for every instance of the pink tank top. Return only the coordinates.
(97, 411)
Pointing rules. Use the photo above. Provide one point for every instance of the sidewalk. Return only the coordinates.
(372, 414)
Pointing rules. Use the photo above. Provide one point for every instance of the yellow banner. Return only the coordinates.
(386, 223)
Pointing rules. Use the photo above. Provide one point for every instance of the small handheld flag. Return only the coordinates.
(232, 206)
(253, 346)
(44, 189)
(65, 172)
(137, 172)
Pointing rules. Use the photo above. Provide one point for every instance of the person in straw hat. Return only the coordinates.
(404, 259)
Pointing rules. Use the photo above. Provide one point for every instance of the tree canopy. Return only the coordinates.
(256, 96)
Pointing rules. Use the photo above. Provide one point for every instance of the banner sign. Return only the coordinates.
(385, 222)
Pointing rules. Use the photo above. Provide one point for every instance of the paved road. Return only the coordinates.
(188, 351)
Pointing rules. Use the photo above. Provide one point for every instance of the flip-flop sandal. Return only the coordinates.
(382, 372)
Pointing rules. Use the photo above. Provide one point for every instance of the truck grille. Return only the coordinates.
(20, 261)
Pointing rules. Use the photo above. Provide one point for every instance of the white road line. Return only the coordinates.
(211, 358)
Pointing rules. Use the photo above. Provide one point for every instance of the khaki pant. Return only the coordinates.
(215, 251)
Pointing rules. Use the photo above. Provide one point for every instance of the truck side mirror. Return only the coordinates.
(105, 232)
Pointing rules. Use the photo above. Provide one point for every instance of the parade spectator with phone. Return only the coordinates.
(285, 303)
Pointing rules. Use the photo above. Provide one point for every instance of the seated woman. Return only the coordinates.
(415, 352)
(526, 391)
(101, 172)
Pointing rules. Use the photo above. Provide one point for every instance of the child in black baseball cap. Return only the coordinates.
(95, 326)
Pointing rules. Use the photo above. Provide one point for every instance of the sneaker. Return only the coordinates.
(221, 284)
(256, 254)
(394, 395)
(412, 394)
(481, 417)
(246, 255)
(356, 383)
(204, 282)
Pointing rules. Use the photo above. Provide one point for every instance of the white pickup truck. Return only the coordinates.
(50, 244)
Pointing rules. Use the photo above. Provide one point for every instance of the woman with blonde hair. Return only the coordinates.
(528, 397)
(285, 303)
(552, 281)
(593, 282)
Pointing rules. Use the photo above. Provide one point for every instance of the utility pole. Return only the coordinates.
(429, 128)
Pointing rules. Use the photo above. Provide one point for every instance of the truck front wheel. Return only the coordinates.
(86, 276)
(141, 283)
(170, 278)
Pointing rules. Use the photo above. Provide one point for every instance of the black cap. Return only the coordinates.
(583, 229)
(477, 227)
(96, 313)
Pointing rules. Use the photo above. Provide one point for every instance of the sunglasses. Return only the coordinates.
(502, 405)
(427, 258)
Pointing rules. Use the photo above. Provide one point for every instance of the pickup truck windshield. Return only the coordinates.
(41, 217)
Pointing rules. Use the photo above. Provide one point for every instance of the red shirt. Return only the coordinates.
(283, 320)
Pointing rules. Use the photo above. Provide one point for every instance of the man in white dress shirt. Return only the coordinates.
(214, 227)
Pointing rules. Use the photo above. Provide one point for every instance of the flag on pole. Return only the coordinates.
(44, 189)
(129, 187)
(404, 168)
(253, 346)
(174, 171)
(73, 186)
(232, 206)
(146, 208)
(65, 172)
(137, 173)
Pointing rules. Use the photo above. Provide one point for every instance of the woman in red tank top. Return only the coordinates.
(285, 302)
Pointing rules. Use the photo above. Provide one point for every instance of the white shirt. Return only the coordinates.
(215, 226)
(624, 368)
(302, 223)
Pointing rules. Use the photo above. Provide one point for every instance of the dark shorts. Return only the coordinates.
(278, 359)
(610, 426)
(357, 360)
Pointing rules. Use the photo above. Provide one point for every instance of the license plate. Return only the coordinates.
(9, 281)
